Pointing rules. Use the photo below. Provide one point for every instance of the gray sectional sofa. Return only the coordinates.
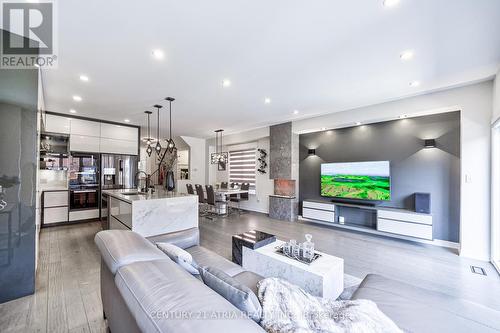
(144, 291)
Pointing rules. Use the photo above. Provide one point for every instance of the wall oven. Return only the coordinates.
(84, 181)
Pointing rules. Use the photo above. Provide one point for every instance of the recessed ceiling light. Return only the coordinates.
(158, 54)
(267, 100)
(403, 116)
(406, 55)
(72, 111)
(84, 78)
(127, 120)
(414, 83)
(390, 3)
(226, 83)
(77, 98)
(358, 123)
(295, 111)
(323, 128)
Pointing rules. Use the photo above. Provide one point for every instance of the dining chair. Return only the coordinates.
(212, 203)
(190, 189)
(223, 185)
(202, 202)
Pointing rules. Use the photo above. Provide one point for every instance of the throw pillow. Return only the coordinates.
(232, 290)
(179, 256)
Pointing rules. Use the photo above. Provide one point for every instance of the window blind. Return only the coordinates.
(242, 167)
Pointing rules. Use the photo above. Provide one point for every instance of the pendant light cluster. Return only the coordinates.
(149, 150)
(219, 157)
(170, 142)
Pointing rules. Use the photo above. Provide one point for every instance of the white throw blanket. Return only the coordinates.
(289, 309)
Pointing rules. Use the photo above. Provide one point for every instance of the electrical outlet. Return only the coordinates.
(468, 178)
(341, 220)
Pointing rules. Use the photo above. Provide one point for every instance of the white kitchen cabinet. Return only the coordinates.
(55, 199)
(113, 146)
(119, 132)
(85, 127)
(55, 215)
(57, 124)
(84, 143)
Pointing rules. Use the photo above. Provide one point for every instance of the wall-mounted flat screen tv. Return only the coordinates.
(357, 180)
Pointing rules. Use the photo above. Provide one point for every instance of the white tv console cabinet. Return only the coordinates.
(382, 220)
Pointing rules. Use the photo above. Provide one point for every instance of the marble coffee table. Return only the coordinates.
(323, 278)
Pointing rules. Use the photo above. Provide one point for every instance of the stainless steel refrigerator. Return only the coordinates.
(117, 172)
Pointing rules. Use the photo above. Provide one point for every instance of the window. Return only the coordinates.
(242, 167)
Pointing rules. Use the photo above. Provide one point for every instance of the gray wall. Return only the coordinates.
(18, 118)
(413, 168)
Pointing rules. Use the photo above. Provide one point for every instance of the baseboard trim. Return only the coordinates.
(443, 243)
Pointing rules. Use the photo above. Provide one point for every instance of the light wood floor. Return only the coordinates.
(67, 297)
(426, 266)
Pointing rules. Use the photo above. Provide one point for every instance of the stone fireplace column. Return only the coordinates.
(283, 168)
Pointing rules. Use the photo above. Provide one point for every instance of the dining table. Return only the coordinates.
(222, 195)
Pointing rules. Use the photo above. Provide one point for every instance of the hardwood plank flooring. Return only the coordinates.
(67, 297)
(431, 267)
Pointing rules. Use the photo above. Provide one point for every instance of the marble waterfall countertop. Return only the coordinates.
(151, 214)
(130, 195)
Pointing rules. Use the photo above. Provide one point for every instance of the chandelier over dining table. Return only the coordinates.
(219, 157)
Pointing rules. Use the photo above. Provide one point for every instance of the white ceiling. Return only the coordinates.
(314, 56)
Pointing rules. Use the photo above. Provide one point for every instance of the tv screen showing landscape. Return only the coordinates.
(358, 180)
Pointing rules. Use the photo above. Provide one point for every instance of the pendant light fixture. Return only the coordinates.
(219, 156)
(149, 150)
(158, 145)
(170, 142)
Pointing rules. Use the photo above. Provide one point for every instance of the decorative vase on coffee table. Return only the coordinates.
(170, 183)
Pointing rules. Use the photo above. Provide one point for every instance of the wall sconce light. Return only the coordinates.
(430, 143)
(311, 152)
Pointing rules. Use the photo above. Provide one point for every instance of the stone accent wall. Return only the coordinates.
(280, 155)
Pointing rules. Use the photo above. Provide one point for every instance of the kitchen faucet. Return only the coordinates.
(148, 181)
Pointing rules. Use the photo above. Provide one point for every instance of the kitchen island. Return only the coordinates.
(151, 214)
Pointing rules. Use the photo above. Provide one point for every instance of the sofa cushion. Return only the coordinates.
(419, 310)
(122, 247)
(205, 257)
(179, 256)
(183, 239)
(163, 297)
(235, 292)
(249, 279)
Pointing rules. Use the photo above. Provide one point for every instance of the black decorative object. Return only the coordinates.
(252, 239)
(170, 142)
(158, 145)
(430, 143)
(149, 150)
(170, 181)
(263, 161)
(311, 152)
